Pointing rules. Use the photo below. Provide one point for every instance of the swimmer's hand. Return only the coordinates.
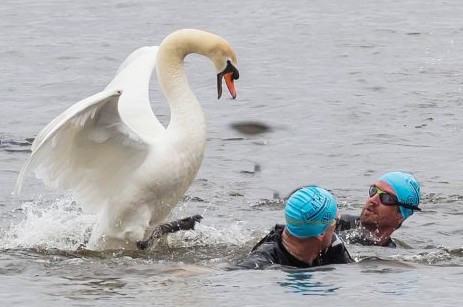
(187, 223)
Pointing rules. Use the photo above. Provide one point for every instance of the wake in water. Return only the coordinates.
(13, 145)
(60, 228)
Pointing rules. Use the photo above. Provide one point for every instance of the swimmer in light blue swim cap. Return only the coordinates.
(306, 240)
(393, 198)
(309, 212)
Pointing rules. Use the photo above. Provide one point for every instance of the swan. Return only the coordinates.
(111, 152)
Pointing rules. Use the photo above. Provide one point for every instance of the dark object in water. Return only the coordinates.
(183, 224)
(257, 169)
(25, 142)
(250, 128)
(10, 145)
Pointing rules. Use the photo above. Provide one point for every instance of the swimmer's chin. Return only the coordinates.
(367, 217)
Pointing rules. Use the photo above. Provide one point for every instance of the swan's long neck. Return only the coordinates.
(185, 109)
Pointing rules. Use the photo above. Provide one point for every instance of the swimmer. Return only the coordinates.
(392, 199)
(307, 239)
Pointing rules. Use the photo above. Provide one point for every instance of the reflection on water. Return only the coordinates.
(306, 283)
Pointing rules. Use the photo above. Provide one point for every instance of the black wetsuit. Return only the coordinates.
(270, 250)
(346, 226)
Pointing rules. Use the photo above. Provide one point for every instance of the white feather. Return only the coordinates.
(115, 157)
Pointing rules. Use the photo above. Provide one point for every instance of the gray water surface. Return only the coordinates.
(348, 91)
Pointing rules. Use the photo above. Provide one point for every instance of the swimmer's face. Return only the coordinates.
(377, 215)
(327, 236)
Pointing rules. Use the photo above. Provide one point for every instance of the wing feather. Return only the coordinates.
(88, 149)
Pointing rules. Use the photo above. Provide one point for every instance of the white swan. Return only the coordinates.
(113, 154)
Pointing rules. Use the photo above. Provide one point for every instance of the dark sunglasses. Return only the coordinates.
(388, 199)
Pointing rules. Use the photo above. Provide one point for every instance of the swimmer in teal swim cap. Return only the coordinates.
(392, 199)
(307, 239)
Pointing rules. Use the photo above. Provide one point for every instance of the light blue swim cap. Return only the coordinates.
(309, 211)
(407, 189)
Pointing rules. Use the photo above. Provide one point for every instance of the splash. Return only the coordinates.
(60, 224)
(210, 231)
(435, 257)
(207, 235)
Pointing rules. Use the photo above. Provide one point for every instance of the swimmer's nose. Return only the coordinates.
(374, 200)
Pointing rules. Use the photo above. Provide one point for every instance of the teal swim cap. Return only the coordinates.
(309, 212)
(407, 189)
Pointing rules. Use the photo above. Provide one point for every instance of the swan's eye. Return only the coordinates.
(231, 68)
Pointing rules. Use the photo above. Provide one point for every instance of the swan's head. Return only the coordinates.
(224, 59)
(218, 50)
(230, 74)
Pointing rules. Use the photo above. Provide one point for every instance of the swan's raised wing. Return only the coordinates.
(88, 149)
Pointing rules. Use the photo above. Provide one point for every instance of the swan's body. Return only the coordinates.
(112, 153)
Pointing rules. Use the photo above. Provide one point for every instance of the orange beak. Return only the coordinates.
(230, 74)
(229, 81)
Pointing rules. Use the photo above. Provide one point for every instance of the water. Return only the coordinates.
(349, 91)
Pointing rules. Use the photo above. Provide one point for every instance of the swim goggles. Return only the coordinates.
(388, 199)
